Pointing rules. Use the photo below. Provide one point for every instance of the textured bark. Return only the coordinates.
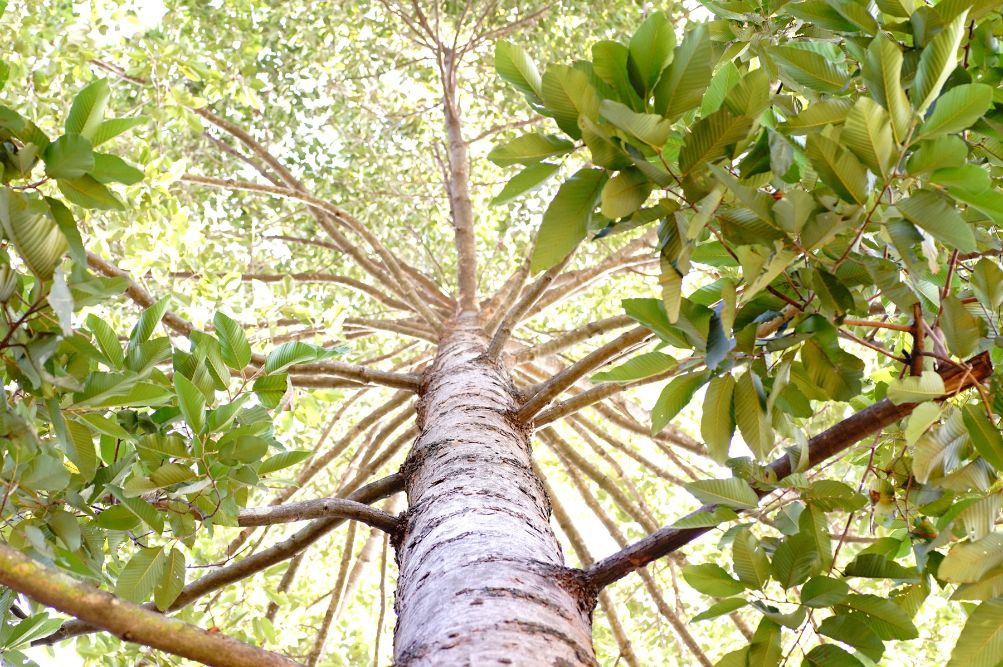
(482, 578)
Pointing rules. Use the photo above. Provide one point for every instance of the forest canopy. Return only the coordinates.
(444, 332)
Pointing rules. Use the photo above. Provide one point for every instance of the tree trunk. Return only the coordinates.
(482, 578)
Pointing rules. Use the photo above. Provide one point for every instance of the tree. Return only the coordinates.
(816, 182)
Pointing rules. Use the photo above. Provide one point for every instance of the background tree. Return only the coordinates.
(814, 181)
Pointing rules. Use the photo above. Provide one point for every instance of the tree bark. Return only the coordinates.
(482, 578)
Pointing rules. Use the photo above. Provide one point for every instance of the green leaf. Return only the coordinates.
(887, 619)
(986, 438)
(566, 221)
(271, 389)
(117, 517)
(624, 194)
(527, 180)
(968, 562)
(113, 127)
(720, 609)
(530, 149)
(712, 580)
(637, 368)
(882, 71)
(830, 111)
(957, 109)
(853, 629)
(829, 494)
(88, 108)
(935, 214)
(34, 233)
(515, 66)
(651, 129)
(138, 578)
(876, 566)
(674, 397)
(283, 460)
(751, 563)
(710, 138)
(650, 52)
(233, 343)
(66, 528)
(962, 330)
(809, 68)
(147, 322)
(112, 169)
(170, 474)
(916, 388)
(750, 414)
(732, 492)
(706, 519)
(838, 168)
(868, 134)
(980, 643)
(823, 592)
(296, 352)
(682, 85)
(717, 423)
(829, 655)
(191, 401)
(987, 281)
(86, 191)
(568, 94)
(70, 156)
(172, 581)
(937, 62)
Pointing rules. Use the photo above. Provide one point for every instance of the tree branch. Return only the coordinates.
(519, 310)
(830, 442)
(566, 340)
(553, 387)
(319, 508)
(130, 622)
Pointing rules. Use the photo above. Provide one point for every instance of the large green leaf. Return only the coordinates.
(934, 213)
(710, 137)
(916, 388)
(529, 149)
(26, 221)
(233, 343)
(980, 643)
(751, 563)
(750, 414)
(937, 62)
(515, 66)
(172, 581)
(637, 368)
(838, 168)
(868, 133)
(70, 156)
(568, 94)
(968, 562)
(985, 436)
(88, 109)
(882, 71)
(650, 52)
(732, 492)
(674, 397)
(683, 83)
(712, 580)
(717, 423)
(527, 180)
(624, 194)
(141, 574)
(957, 109)
(809, 68)
(886, 618)
(566, 221)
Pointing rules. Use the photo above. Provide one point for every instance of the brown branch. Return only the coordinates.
(553, 387)
(311, 277)
(254, 563)
(130, 622)
(830, 442)
(319, 508)
(566, 340)
(594, 395)
(519, 310)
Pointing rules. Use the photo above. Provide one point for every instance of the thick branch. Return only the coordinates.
(563, 380)
(319, 508)
(128, 621)
(830, 442)
(255, 563)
